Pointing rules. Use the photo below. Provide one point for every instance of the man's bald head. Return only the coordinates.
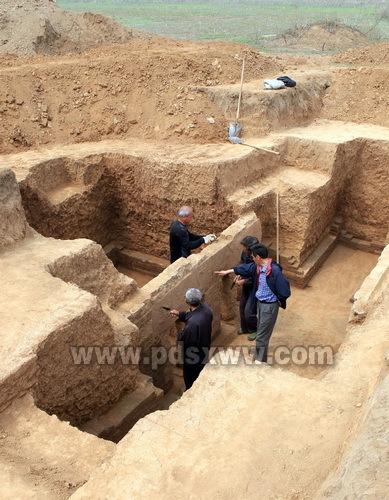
(185, 214)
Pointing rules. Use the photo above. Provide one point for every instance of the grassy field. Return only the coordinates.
(245, 21)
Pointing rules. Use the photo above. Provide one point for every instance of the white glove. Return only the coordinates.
(209, 238)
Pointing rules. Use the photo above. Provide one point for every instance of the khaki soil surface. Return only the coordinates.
(319, 37)
(154, 88)
(145, 88)
(30, 27)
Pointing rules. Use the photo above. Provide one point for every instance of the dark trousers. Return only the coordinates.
(267, 317)
(191, 372)
(247, 311)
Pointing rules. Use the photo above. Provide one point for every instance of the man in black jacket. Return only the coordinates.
(196, 336)
(271, 291)
(182, 242)
(247, 302)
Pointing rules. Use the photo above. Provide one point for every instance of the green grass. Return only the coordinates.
(244, 21)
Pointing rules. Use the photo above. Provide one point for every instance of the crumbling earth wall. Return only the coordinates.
(44, 317)
(13, 224)
(69, 199)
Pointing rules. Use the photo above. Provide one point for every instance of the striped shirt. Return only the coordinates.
(264, 294)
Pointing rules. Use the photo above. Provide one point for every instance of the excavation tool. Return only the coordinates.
(235, 128)
(260, 149)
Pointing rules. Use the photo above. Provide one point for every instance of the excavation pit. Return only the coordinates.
(316, 316)
(95, 273)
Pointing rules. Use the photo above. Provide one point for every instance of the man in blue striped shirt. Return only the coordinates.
(271, 291)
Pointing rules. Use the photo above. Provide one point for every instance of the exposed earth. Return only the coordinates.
(100, 144)
(40, 27)
(319, 37)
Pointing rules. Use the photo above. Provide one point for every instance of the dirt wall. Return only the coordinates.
(365, 206)
(120, 197)
(78, 392)
(150, 194)
(92, 271)
(70, 199)
(311, 213)
(346, 181)
(13, 224)
(265, 111)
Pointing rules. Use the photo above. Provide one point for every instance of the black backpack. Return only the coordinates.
(288, 81)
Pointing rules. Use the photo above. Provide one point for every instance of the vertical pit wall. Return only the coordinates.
(13, 223)
(365, 207)
(121, 197)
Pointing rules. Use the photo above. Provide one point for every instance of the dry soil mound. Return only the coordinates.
(39, 27)
(143, 88)
(360, 87)
(322, 37)
(375, 54)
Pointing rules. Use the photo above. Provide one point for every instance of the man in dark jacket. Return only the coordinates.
(182, 242)
(271, 291)
(247, 301)
(196, 336)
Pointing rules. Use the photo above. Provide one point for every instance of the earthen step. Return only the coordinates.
(304, 273)
(118, 420)
(246, 198)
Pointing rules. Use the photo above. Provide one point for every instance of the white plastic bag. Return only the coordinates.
(273, 84)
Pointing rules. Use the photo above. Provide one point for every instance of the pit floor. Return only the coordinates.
(315, 316)
(141, 277)
(318, 314)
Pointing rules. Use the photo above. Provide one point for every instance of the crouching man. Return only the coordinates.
(196, 336)
(271, 291)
